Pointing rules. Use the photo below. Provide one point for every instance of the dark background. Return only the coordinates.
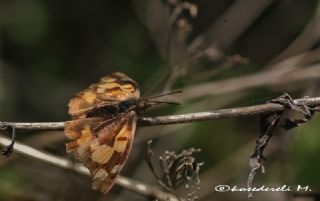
(251, 51)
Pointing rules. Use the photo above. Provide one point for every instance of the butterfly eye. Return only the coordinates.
(125, 105)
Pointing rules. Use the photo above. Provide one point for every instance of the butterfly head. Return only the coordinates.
(135, 104)
(144, 104)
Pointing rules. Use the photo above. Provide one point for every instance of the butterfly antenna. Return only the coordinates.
(165, 102)
(165, 94)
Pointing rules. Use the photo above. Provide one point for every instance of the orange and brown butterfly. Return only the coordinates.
(103, 126)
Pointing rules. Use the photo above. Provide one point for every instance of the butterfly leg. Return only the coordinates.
(107, 121)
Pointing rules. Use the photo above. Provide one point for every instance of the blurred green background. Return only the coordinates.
(220, 53)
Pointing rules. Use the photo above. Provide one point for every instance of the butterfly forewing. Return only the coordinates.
(102, 142)
(109, 91)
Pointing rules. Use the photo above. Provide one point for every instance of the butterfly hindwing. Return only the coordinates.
(80, 132)
(102, 149)
(110, 90)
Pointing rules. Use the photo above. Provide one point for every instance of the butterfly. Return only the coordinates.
(101, 132)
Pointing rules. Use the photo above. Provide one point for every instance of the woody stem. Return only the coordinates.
(182, 118)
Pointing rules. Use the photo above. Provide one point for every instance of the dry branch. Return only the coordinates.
(61, 162)
(182, 118)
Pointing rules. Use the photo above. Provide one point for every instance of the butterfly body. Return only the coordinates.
(103, 127)
(113, 110)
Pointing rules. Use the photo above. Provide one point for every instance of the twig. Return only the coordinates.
(223, 113)
(183, 118)
(79, 168)
(37, 126)
(46, 138)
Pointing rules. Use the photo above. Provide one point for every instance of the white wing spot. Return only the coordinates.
(101, 174)
(116, 169)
